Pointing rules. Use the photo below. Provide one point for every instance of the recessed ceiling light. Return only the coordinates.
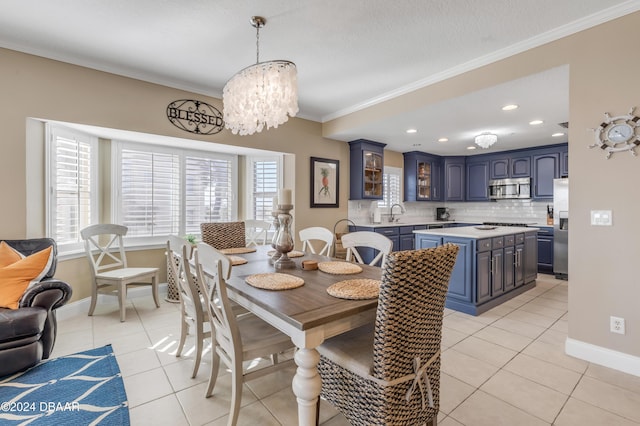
(471, 147)
(412, 131)
(417, 144)
(536, 122)
(443, 140)
(509, 107)
(557, 135)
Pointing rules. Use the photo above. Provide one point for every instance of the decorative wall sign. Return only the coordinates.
(195, 117)
(325, 178)
(618, 134)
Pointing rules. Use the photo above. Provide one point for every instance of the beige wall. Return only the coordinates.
(603, 262)
(41, 88)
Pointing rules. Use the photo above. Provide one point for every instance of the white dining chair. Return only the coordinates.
(368, 239)
(316, 233)
(110, 271)
(194, 317)
(256, 231)
(236, 338)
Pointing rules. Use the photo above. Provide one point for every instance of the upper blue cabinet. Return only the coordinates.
(366, 170)
(422, 177)
(510, 166)
(454, 178)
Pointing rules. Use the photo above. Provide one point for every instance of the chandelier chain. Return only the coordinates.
(257, 44)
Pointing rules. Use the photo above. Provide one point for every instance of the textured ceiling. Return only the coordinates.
(349, 53)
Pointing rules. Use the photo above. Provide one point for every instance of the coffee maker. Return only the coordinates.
(442, 213)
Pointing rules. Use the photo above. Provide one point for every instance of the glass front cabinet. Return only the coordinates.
(422, 177)
(367, 168)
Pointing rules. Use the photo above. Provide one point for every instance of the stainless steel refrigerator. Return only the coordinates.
(560, 227)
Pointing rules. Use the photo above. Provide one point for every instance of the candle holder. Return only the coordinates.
(284, 240)
(276, 225)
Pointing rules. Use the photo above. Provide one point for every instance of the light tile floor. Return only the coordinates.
(505, 367)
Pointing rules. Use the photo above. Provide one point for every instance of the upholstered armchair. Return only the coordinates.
(28, 333)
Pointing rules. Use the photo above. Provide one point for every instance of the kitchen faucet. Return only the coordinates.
(391, 211)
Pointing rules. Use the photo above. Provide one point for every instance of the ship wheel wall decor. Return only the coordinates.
(617, 134)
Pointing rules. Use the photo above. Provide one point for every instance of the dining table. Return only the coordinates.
(307, 314)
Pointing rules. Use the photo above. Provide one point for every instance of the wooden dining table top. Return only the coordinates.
(304, 307)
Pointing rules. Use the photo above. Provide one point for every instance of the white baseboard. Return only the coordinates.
(598, 355)
(81, 306)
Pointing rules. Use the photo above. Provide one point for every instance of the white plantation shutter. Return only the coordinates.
(264, 186)
(149, 192)
(208, 191)
(391, 187)
(71, 177)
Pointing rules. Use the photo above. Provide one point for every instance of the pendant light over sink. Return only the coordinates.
(262, 95)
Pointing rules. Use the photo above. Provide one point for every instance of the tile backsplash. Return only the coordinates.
(361, 211)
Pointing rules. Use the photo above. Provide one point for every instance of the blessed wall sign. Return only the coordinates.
(195, 117)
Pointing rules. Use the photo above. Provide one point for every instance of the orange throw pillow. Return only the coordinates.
(16, 277)
(8, 255)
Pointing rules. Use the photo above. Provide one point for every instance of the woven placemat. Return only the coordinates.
(339, 268)
(274, 281)
(364, 288)
(237, 260)
(291, 254)
(238, 250)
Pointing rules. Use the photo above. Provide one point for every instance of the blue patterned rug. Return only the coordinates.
(80, 389)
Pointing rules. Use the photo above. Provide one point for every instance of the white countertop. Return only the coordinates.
(473, 232)
(408, 222)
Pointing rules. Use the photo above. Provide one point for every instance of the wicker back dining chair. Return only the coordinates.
(368, 239)
(317, 233)
(193, 311)
(388, 373)
(237, 338)
(109, 268)
(223, 235)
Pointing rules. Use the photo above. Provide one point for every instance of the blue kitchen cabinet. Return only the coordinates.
(545, 250)
(407, 239)
(546, 168)
(564, 162)
(366, 161)
(422, 177)
(510, 166)
(454, 178)
(488, 271)
(477, 180)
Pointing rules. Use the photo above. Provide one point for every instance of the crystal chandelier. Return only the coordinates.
(485, 140)
(260, 95)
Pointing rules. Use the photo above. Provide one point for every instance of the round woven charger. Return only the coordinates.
(274, 281)
(339, 268)
(365, 288)
(291, 254)
(238, 250)
(237, 260)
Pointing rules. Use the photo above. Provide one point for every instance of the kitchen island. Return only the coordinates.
(494, 264)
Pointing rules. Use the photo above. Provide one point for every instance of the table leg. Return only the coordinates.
(307, 385)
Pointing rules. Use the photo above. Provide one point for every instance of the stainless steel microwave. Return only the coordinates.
(502, 189)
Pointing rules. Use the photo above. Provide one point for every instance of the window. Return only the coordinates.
(392, 176)
(263, 186)
(161, 190)
(72, 176)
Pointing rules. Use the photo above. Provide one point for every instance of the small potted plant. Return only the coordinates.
(191, 239)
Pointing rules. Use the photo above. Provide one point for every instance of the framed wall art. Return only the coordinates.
(325, 180)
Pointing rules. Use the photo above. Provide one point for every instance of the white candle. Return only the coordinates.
(284, 197)
(274, 204)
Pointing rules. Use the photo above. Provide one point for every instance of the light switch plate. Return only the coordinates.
(601, 217)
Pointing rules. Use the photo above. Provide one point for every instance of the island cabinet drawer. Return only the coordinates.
(388, 232)
(497, 242)
(406, 230)
(509, 240)
(484, 245)
(519, 238)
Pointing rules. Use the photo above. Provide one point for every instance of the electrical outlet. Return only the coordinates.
(617, 325)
